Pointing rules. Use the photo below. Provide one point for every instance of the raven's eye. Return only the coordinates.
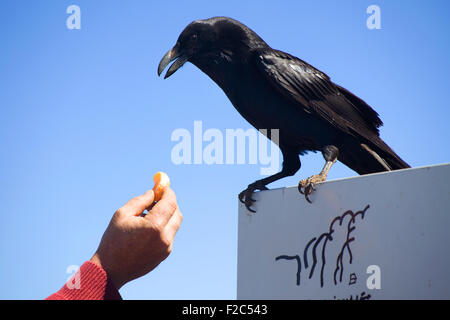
(194, 36)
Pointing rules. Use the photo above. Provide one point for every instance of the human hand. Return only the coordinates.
(134, 245)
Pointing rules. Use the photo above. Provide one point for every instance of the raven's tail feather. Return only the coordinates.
(370, 157)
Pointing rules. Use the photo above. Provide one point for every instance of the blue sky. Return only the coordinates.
(85, 123)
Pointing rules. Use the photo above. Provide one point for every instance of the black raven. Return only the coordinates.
(272, 89)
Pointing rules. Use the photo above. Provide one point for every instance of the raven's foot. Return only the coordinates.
(246, 196)
(330, 154)
(308, 185)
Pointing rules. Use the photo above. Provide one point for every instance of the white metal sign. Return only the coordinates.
(379, 236)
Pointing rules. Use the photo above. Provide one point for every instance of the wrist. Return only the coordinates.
(96, 259)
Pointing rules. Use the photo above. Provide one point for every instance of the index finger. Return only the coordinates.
(138, 204)
(164, 208)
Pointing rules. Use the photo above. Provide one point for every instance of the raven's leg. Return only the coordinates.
(291, 164)
(330, 153)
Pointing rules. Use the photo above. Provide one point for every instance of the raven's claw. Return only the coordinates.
(246, 196)
(308, 185)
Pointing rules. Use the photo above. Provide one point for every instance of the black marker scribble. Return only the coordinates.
(322, 241)
(362, 296)
(350, 228)
(353, 279)
(305, 257)
(299, 264)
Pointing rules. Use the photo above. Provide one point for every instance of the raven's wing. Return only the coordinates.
(313, 91)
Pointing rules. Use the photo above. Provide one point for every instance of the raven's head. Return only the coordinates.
(204, 40)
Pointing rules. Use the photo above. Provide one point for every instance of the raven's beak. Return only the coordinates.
(170, 56)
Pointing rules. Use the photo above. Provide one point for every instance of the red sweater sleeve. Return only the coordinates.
(90, 282)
